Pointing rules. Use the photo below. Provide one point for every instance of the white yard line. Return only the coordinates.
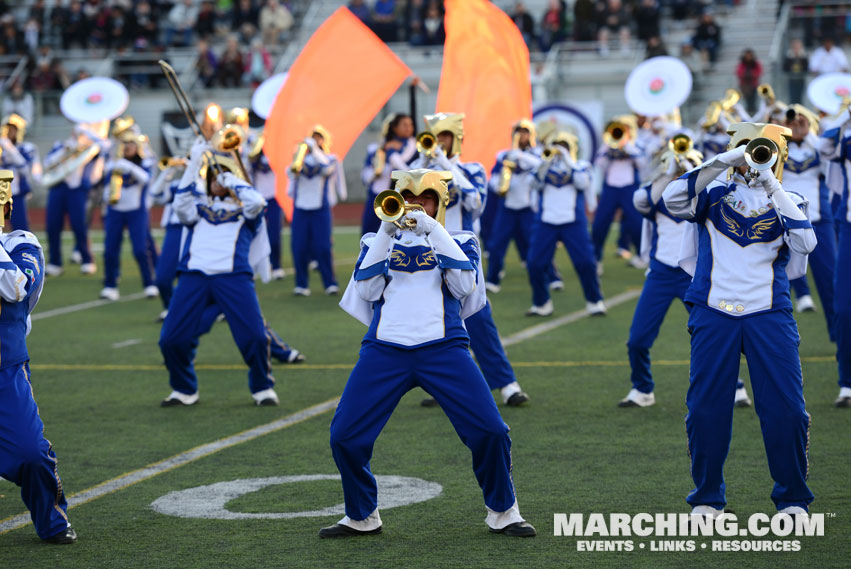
(84, 306)
(127, 343)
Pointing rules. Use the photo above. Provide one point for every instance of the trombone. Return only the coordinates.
(390, 206)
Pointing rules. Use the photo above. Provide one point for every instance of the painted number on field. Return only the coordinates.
(209, 501)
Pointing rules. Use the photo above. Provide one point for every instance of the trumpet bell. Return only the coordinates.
(228, 138)
(761, 154)
(681, 143)
(426, 142)
(390, 206)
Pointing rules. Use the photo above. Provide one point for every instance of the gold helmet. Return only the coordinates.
(742, 133)
(209, 171)
(238, 116)
(545, 130)
(528, 125)
(140, 139)
(447, 122)
(122, 125)
(6, 177)
(422, 180)
(19, 123)
(569, 139)
(812, 118)
(326, 137)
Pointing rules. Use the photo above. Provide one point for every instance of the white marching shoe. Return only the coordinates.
(557, 285)
(332, 290)
(742, 399)
(544, 310)
(794, 511)
(301, 291)
(278, 274)
(265, 398)
(177, 399)
(110, 293)
(492, 287)
(706, 511)
(844, 399)
(151, 291)
(638, 263)
(88, 268)
(595, 308)
(53, 270)
(805, 304)
(162, 315)
(76, 257)
(599, 268)
(636, 398)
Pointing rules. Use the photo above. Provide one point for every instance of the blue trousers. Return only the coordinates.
(62, 201)
(20, 219)
(542, 248)
(167, 262)
(446, 371)
(369, 223)
(235, 296)
(26, 457)
(311, 239)
(486, 221)
(612, 199)
(274, 222)
(842, 305)
(136, 223)
(486, 345)
(822, 261)
(662, 285)
(769, 342)
(508, 224)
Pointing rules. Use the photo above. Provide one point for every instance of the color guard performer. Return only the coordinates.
(440, 149)
(426, 267)
(22, 159)
(565, 191)
(316, 183)
(743, 238)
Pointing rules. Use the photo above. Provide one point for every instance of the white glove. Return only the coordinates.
(6, 143)
(228, 180)
(735, 157)
(310, 142)
(512, 155)
(566, 156)
(199, 147)
(440, 158)
(123, 165)
(389, 228)
(672, 167)
(425, 223)
(769, 181)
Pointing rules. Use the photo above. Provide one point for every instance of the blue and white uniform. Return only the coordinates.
(710, 144)
(395, 159)
(315, 190)
(466, 191)
(621, 177)
(23, 160)
(803, 174)
(219, 253)
(264, 182)
(835, 145)
(739, 246)
(514, 216)
(162, 192)
(130, 212)
(565, 190)
(438, 271)
(26, 457)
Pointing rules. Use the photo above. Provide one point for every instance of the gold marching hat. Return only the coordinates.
(6, 177)
(422, 180)
(238, 116)
(326, 137)
(568, 139)
(18, 122)
(528, 125)
(447, 122)
(744, 133)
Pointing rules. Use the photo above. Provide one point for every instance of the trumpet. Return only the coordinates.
(508, 167)
(766, 92)
(761, 154)
(681, 144)
(426, 143)
(378, 162)
(616, 135)
(170, 162)
(298, 158)
(549, 153)
(390, 206)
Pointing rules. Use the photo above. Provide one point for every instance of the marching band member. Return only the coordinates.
(126, 197)
(742, 239)
(513, 180)
(316, 182)
(802, 173)
(437, 270)
(222, 224)
(565, 189)
(620, 161)
(466, 191)
(72, 168)
(835, 145)
(395, 151)
(26, 457)
(21, 158)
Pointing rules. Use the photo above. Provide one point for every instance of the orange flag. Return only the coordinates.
(485, 75)
(341, 79)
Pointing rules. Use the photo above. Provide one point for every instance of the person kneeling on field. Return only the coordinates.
(420, 271)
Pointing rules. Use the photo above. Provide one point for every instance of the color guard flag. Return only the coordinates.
(485, 75)
(341, 79)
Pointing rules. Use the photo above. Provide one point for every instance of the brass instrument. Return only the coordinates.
(766, 92)
(71, 160)
(680, 143)
(616, 134)
(378, 162)
(298, 158)
(6, 177)
(713, 115)
(170, 162)
(681, 149)
(426, 144)
(116, 182)
(122, 125)
(390, 206)
(508, 167)
(731, 99)
(257, 148)
(549, 153)
(760, 154)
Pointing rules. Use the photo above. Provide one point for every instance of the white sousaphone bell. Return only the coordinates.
(658, 86)
(830, 92)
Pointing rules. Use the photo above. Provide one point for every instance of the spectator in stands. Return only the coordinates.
(32, 30)
(796, 65)
(120, 28)
(584, 20)
(258, 64)
(231, 64)
(99, 29)
(433, 32)
(38, 12)
(384, 20)
(12, 40)
(647, 20)
(361, 10)
(655, 47)
(415, 10)
(275, 19)
(72, 23)
(524, 22)
(145, 23)
(205, 24)
(613, 19)
(707, 38)
(552, 30)
(181, 20)
(828, 58)
(18, 101)
(680, 9)
(245, 15)
(749, 72)
(205, 65)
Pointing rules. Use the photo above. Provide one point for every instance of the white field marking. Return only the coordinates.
(177, 461)
(532, 331)
(127, 343)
